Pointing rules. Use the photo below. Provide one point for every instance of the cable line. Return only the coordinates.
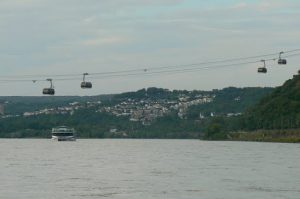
(105, 75)
(144, 70)
(172, 69)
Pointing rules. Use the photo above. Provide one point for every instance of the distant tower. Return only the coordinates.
(1, 109)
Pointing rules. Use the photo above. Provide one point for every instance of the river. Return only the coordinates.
(142, 169)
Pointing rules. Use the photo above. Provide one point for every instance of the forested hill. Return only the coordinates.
(278, 110)
(227, 100)
(20, 104)
(146, 113)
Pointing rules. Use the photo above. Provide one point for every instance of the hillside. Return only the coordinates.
(230, 101)
(20, 104)
(278, 110)
(146, 113)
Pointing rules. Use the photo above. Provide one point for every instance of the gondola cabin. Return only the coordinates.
(281, 61)
(48, 91)
(86, 85)
(262, 70)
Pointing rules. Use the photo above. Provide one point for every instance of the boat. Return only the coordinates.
(63, 133)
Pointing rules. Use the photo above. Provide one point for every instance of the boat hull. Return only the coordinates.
(64, 138)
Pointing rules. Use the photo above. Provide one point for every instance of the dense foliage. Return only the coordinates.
(276, 117)
(230, 100)
(278, 110)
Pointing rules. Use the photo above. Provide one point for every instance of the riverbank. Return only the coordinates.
(286, 136)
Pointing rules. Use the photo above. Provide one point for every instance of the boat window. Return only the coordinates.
(62, 134)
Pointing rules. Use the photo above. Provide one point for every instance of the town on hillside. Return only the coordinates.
(144, 110)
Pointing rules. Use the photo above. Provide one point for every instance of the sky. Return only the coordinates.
(51, 37)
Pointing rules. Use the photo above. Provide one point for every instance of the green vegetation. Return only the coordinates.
(230, 100)
(21, 104)
(288, 135)
(276, 118)
(271, 115)
(278, 110)
(97, 125)
(92, 123)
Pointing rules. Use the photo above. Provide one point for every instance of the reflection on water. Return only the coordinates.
(148, 169)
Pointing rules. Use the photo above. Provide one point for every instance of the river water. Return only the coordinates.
(142, 169)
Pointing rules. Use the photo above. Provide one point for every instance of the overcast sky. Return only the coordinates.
(75, 36)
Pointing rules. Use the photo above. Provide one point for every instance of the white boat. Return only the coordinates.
(63, 133)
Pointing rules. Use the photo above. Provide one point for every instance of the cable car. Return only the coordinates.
(280, 60)
(262, 69)
(85, 84)
(49, 91)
